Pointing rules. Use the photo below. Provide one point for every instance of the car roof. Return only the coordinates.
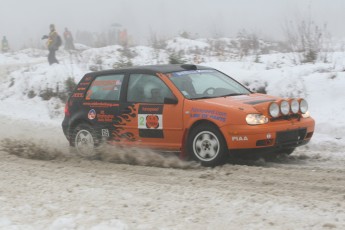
(154, 69)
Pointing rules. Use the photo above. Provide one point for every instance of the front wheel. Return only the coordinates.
(206, 144)
(85, 140)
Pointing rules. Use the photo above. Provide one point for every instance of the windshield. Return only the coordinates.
(198, 84)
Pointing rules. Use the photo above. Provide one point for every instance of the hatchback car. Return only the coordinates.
(198, 111)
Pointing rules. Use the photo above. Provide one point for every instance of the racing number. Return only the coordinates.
(88, 95)
(141, 121)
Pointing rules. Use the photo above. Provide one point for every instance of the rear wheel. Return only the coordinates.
(85, 140)
(206, 144)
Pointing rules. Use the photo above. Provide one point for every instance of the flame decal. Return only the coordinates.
(119, 131)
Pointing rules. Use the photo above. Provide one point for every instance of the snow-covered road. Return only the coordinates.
(304, 191)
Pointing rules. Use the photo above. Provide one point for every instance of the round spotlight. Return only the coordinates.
(294, 106)
(274, 110)
(303, 104)
(285, 107)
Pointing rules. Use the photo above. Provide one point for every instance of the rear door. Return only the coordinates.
(102, 102)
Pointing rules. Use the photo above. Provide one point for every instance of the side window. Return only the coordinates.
(105, 88)
(147, 88)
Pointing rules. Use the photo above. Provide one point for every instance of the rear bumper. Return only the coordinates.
(280, 134)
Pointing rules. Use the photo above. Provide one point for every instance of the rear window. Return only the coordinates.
(105, 88)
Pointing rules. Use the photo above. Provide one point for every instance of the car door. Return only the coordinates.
(152, 122)
(102, 102)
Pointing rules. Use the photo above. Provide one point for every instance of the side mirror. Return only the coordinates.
(169, 100)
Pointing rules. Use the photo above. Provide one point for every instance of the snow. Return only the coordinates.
(182, 202)
(183, 44)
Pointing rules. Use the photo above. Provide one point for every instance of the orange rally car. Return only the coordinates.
(196, 110)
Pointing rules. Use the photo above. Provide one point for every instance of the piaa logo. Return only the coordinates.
(239, 138)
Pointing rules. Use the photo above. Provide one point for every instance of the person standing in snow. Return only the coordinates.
(53, 43)
(4, 45)
(68, 40)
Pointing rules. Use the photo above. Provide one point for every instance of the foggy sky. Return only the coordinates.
(25, 20)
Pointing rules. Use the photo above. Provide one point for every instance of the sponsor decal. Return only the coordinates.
(150, 109)
(100, 104)
(78, 95)
(106, 82)
(208, 114)
(92, 114)
(150, 121)
(102, 117)
(239, 138)
(107, 85)
(105, 132)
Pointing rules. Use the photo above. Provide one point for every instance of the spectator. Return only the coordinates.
(69, 45)
(53, 44)
(4, 45)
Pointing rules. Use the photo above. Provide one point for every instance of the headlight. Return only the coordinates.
(256, 119)
(285, 107)
(303, 104)
(294, 106)
(274, 109)
(306, 115)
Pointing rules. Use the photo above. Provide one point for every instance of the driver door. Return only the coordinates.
(157, 124)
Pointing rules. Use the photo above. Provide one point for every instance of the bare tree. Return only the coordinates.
(306, 37)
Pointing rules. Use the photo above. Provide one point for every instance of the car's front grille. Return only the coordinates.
(290, 137)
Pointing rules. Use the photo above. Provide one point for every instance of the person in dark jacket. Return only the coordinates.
(53, 44)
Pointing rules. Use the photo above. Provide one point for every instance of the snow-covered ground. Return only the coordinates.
(305, 191)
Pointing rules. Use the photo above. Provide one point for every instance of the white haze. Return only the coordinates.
(24, 22)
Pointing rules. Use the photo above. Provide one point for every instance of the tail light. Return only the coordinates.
(67, 110)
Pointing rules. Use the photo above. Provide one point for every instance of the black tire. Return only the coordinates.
(207, 145)
(85, 141)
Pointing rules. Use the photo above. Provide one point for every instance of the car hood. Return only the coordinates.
(251, 103)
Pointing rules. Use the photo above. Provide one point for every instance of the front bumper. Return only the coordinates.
(277, 134)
